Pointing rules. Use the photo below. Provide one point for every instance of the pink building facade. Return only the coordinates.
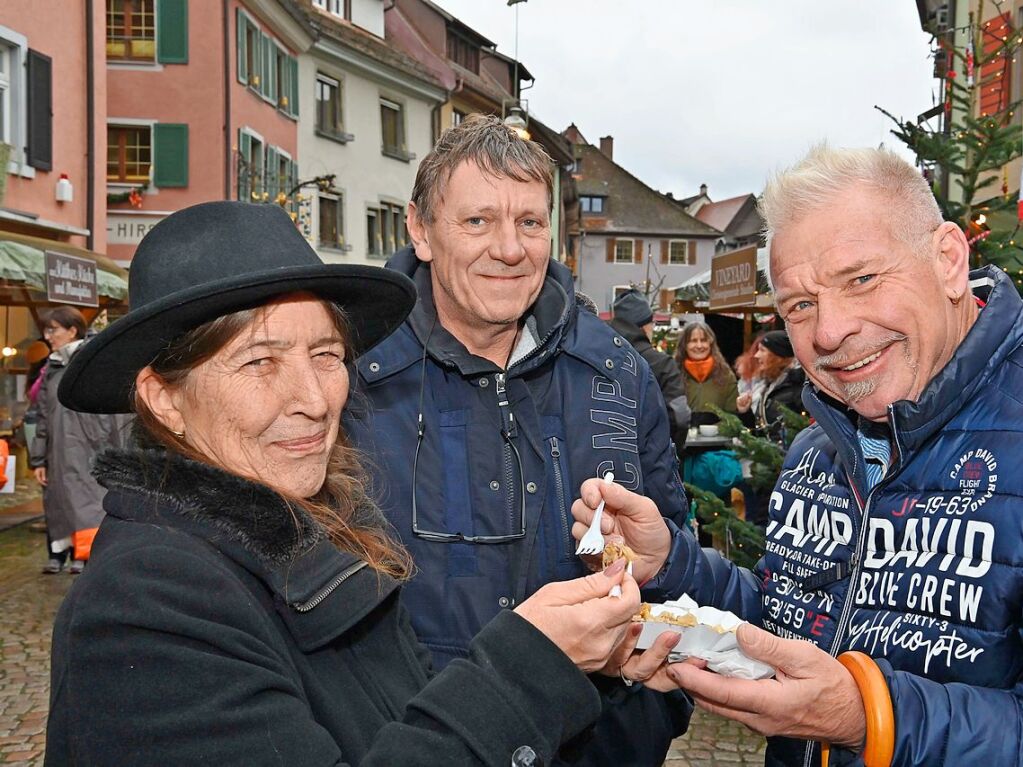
(52, 98)
(52, 205)
(202, 104)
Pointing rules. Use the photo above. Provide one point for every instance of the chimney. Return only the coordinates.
(607, 147)
(703, 190)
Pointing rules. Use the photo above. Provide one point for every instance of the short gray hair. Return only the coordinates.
(825, 172)
(494, 147)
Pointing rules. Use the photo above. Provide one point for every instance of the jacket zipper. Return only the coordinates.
(344, 575)
(559, 487)
(847, 609)
(509, 429)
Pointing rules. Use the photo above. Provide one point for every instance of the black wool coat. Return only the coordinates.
(215, 626)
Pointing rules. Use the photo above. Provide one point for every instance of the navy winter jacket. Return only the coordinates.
(581, 404)
(925, 572)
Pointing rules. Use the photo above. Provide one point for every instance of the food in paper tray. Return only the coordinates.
(707, 633)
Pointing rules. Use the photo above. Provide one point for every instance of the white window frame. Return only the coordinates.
(147, 65)
(401, 151)
(377, 251)
(690, 257)
(133, 122)
(6, 57)
(16, 95)
(279, 52)
(254, 136)
(339, 198)
(281, 155)
(632, 251)
(338, 83)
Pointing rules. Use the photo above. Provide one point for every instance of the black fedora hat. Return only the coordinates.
(210, 260)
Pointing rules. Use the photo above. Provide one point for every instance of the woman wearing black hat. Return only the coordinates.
(242, 602)
(779, 381)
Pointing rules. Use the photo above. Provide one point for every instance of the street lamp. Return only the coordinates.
(516, 120)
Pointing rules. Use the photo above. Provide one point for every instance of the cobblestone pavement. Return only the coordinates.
(29, 600)
(712, 741)
(21, 505)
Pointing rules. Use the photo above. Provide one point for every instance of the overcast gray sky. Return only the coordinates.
(715, 91)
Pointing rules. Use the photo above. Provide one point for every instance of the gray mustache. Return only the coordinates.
(847, 356)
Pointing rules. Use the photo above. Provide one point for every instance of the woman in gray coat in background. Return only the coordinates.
(62, 451)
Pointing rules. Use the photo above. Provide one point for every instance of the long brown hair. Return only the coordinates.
(344, 489)
(721, 370)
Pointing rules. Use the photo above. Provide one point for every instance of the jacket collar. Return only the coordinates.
(996, 333)
(249, 523)
(551, 317)
(62, 356)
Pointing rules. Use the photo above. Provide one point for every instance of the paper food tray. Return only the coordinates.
(712, 638)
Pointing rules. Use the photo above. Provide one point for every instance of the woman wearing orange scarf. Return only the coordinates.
(708, 378)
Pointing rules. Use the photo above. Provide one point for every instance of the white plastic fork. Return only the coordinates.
(616, 590)
(593, 541)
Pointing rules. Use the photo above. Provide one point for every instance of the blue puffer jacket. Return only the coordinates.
(583, 403)
(925, 572)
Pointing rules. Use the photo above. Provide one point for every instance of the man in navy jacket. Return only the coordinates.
(493, 403)
(896, 529)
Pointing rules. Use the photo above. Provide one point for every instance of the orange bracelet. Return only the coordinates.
(877, 705)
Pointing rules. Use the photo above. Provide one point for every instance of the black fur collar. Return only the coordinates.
(249, 513)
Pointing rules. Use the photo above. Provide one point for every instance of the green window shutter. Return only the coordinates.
(293, 99)
(39, 75)
(275, 87)
(284, 86)
(272, 172)
(244, 167)
(243, 59)
(172, 31)
(292, 182)
(266, 66)
(170, 155)
(257, 60)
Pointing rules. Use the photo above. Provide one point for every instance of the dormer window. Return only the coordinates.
(463, 52)
(340, 8)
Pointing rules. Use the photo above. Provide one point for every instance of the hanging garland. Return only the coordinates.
(133, 196)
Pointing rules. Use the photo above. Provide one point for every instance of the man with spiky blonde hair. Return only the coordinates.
(891, 590)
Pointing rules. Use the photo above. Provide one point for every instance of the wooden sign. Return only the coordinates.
(733, 279)
(70, 280)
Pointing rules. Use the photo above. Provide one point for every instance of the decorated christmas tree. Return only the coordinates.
(966, 157)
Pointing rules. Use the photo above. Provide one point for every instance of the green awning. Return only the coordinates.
(26, 264)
